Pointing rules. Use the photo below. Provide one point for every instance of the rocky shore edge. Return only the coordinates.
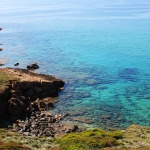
(25, 98)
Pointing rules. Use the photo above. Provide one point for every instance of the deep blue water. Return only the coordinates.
(100, 49)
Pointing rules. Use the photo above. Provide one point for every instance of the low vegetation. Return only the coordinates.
(4, 80)
(10, 145)
(10, 140)
(133, 138)
(89, 140)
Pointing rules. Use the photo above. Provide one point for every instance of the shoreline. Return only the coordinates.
(27, 97)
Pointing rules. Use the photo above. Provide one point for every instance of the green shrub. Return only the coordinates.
(89, 140)
(4, 78)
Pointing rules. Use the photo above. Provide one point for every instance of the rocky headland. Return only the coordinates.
(25, 98)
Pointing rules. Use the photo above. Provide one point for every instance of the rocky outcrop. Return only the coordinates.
(33, 66)
(4, 96)
(25, 100)
(28, 92)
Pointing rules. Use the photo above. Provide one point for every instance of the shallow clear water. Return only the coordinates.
(100, 49)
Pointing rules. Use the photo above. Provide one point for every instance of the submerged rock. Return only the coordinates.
(146, 96)
(129, 74)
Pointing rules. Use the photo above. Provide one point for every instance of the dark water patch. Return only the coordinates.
(129, 74)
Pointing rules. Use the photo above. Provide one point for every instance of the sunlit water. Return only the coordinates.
(100, 49)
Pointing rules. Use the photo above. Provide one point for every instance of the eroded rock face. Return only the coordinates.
(15, 106)
(22, 97)
(4, 96)
(25, 101)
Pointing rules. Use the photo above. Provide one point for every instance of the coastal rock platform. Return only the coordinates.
(23, 91)
(25, 98)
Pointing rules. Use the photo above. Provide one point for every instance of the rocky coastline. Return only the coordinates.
(25, 99)
(25, 122)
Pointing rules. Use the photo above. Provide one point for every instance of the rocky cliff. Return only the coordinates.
(26, 91)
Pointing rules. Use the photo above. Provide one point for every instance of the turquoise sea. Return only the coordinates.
(101, 49)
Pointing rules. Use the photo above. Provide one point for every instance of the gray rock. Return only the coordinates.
(26, 133)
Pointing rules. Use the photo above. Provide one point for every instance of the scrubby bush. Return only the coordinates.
(89, 140)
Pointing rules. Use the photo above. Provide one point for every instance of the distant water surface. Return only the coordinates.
(101, 49)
